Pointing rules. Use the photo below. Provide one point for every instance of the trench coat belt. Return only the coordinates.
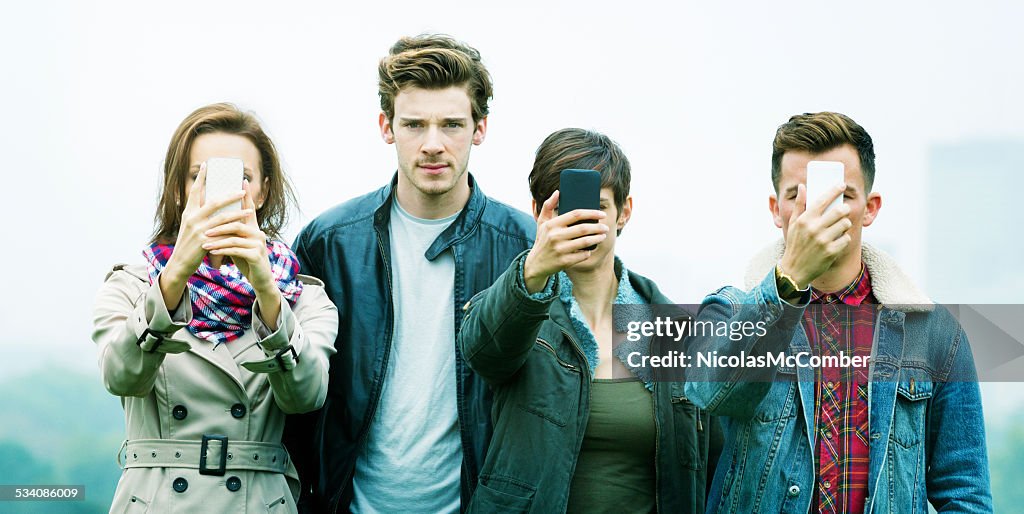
(181, 453)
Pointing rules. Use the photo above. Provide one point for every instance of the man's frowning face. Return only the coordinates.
(433, 132)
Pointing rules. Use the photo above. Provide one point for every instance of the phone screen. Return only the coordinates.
(579, 189)
(822, 176)
(224, 177)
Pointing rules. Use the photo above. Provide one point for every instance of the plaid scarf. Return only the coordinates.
(222, 298)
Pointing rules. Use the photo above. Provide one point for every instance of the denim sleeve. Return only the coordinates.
(737, 392)
(957, 474)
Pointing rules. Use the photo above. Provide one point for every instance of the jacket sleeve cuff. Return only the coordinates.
(773, 307)
(153, 324)
(282, 346)
(533, 303)
(273, 341)
(544, 294)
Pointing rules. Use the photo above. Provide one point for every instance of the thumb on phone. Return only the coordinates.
(547, 211)
(800, 203)
(197, 191)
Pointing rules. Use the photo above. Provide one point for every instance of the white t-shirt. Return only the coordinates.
(412, 461)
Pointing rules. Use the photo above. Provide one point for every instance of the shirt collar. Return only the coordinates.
(853, 294)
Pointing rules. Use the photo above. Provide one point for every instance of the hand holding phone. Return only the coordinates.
(197, 216)
(563, 240)
(817, 232)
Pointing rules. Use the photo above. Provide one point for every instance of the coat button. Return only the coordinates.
(233, 484)
(180, 484)
(238, 410)
(179, 412)
(794, 490)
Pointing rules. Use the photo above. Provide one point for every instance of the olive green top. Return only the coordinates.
(615, 469)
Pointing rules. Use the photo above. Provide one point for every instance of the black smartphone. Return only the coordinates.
(579, 189)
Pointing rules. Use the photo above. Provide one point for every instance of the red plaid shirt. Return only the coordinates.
(843, 321)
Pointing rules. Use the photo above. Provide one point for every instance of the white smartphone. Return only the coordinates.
(822, 176)
(224, 177)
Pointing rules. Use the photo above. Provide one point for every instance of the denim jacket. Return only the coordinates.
(927, 435)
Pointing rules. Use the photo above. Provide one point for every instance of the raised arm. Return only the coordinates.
(132, 329)
(299, 349)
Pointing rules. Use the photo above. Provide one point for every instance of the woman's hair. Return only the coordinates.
(576, 148)
(228, 119)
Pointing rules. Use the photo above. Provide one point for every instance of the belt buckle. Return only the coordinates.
(204, 448)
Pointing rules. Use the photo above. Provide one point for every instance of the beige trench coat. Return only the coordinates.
(177, 390)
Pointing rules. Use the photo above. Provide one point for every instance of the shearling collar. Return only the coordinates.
(889, 284)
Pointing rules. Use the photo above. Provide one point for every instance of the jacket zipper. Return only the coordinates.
(700, 428)
(551, 349)
(590, 395)
(387, 356)
(465, 308)
(657, 454)
(681, 399)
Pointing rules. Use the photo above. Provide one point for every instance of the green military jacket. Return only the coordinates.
(526, 349)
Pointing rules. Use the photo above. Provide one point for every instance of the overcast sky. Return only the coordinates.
(693, 91)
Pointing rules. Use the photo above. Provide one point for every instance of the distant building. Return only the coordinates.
(975, 222)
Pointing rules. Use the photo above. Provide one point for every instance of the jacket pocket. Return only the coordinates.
(688, 430)
(138, 490)
(135, 504)
(551, 386)
(272, 490)
(913, 395)
(550, 349)
(501, 494)
(781, 400)
(279, 505)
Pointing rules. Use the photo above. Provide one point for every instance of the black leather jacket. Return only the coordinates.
(348, 248)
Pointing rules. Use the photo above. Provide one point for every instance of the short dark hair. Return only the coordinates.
(575, 148)
(820, 132)
(433, 61)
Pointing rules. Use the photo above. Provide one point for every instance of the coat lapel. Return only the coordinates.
(221, 357)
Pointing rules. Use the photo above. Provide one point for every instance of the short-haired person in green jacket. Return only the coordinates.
(567, 436)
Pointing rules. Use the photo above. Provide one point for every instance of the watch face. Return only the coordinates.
(787, 281)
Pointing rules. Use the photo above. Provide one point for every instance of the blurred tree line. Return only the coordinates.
(61, 427)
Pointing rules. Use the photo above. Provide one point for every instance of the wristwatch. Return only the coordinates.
(788, 289)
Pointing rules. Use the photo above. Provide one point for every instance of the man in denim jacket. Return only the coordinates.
(901, 431)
